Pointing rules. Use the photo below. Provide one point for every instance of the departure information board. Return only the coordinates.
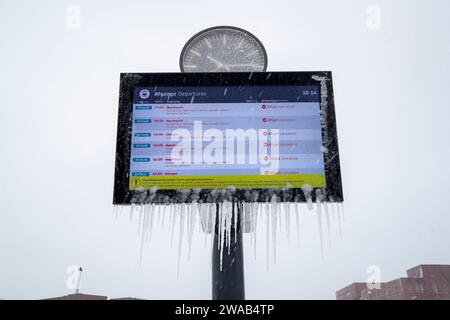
(216, 137)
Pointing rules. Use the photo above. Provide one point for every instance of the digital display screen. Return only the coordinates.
(208, 137)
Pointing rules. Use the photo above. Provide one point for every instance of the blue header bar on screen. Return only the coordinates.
(232, 94)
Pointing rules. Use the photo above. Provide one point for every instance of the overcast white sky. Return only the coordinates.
(58, 116)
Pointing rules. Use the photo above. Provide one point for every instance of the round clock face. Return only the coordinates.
(223, 49)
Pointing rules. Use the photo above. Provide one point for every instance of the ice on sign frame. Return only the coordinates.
(174, 133)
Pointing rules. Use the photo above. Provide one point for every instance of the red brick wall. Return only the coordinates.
(430, 271)
(351, 292)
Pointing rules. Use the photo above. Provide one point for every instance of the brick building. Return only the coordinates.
(423, 282)
(351, 292)
(79, 296)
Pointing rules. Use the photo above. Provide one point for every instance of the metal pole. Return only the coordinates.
(77, 290)
(228, 283)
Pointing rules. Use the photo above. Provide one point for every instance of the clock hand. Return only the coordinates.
(214, 60)
(219, 64)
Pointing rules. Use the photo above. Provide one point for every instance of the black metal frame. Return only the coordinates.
(201, 33)
(228, 282)
(128, 81)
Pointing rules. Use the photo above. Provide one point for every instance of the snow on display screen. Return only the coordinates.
(197, 132)
(217, 137)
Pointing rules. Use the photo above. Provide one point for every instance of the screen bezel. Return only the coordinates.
(129, 81)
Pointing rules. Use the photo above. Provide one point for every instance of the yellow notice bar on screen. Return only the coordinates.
(222, 182)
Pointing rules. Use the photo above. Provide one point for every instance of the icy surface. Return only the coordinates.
(182, 220)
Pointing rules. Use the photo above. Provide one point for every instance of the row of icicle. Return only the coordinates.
(201, 216)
